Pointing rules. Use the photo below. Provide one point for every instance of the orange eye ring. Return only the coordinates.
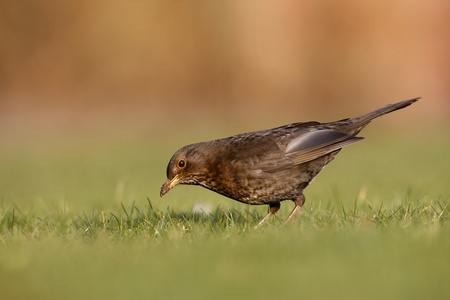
(181, 164)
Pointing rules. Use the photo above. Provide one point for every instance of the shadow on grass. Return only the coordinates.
(149, 221)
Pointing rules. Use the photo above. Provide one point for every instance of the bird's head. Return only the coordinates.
(186, 166)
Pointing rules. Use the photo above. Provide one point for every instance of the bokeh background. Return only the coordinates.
(96, 96)
(97, 66)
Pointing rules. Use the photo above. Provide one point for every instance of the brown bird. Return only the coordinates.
(268, 166)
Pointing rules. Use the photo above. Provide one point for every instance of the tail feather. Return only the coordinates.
(362, 121)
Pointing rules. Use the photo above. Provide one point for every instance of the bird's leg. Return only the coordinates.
(299, 201)
(274, 207)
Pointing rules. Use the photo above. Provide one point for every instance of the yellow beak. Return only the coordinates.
(170, 183)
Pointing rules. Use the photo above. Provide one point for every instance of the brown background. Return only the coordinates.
(164, 64)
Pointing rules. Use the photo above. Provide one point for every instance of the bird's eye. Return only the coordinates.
(181, 163)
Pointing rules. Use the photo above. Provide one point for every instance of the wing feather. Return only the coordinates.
(307, 146)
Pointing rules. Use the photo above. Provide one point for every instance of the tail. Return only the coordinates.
(364, 120)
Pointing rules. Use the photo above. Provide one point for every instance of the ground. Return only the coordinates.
(81, 218)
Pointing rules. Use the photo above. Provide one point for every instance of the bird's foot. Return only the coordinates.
(273, 210)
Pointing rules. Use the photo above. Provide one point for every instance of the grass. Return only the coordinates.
(82, 219)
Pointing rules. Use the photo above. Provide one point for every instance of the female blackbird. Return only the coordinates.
(268, 166)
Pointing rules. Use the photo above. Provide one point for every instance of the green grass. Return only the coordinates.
(82, 219)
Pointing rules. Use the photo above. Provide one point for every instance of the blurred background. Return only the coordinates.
(96, 96)
(156, 66)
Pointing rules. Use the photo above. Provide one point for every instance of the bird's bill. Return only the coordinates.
(170, 183)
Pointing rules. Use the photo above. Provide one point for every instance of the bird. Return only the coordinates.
(268, 166)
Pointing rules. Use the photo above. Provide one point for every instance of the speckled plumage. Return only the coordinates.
(268, 166)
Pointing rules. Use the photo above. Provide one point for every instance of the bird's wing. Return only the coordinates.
(307, 146)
